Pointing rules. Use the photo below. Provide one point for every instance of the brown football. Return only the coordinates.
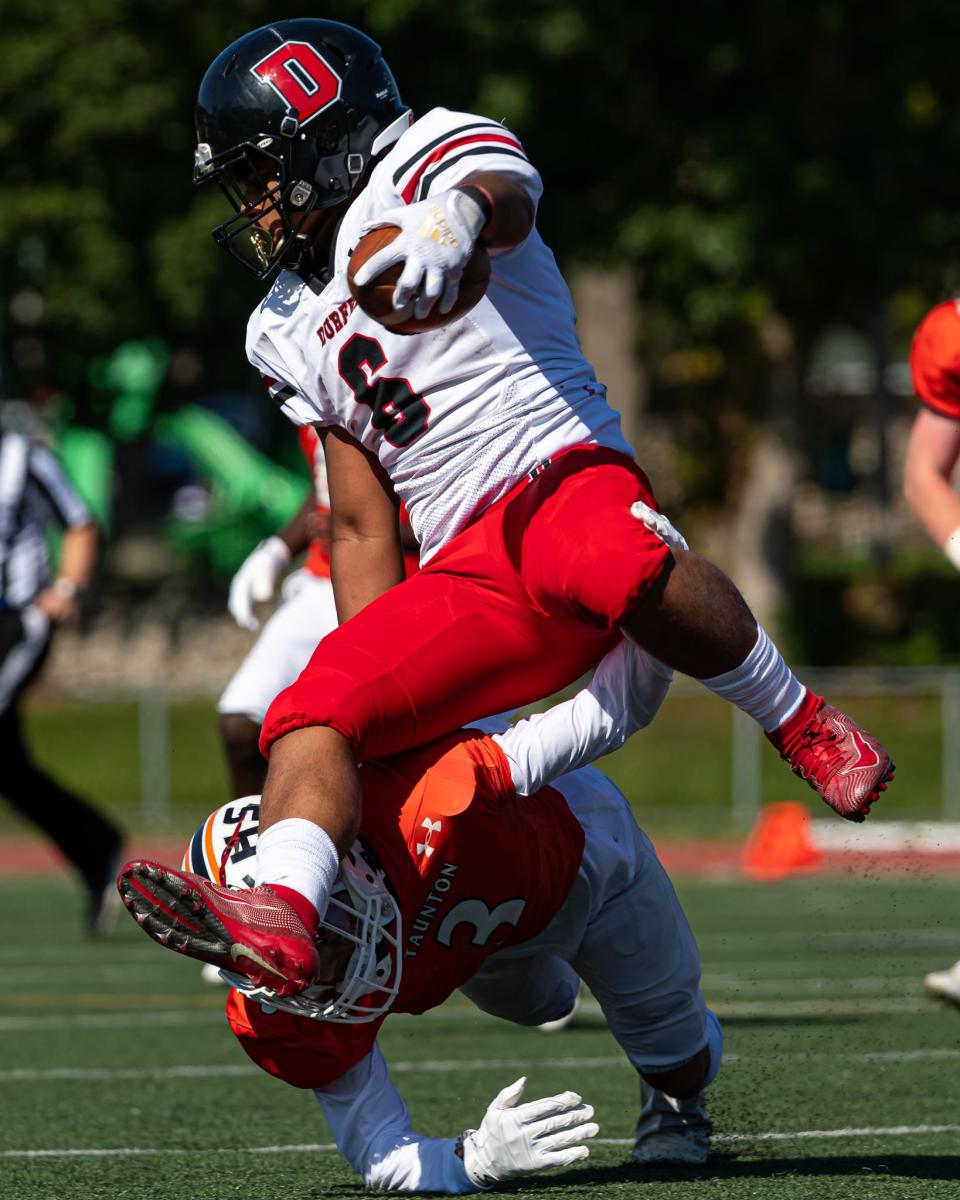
(376, 297)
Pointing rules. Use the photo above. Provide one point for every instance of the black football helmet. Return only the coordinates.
(289, 118)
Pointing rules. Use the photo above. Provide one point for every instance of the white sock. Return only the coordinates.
(763, 686)
(298, 854)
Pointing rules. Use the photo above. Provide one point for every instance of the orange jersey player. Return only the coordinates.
(932, 455)
(934, 445)
(458, 881)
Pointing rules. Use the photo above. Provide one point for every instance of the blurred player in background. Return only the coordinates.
(539, 533)
(932, 454)
(305, 616)
(35, 494)
(471, 870)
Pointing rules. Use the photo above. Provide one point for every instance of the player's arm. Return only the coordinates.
(495, 208)
(932, 454)
(507, 206)
(371, 1126)
(624, 695)
(78, 556)
(365, 556)
(295, 535)
(256, 578)
(81, 537)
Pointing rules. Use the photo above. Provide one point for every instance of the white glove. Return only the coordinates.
(436, 239)
(256, 580)
(657, 523)
(519, 1139)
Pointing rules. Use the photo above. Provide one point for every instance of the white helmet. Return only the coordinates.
(359, 935)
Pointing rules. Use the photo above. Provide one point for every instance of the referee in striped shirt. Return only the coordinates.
(34, 492)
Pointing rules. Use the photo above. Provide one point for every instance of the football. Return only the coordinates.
(376, 297)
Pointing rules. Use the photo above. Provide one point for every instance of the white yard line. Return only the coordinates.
(135, 1019)
(744, 982)
(326, 1147)
(842, 939)
(445, 1066)
(63, 952)
(70, 953)
(114, 1020)
(929, 837)
(742, 979)
(71, 976)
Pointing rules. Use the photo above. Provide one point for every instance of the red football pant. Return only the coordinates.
(520, 604)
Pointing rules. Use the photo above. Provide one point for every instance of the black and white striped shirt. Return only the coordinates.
(33, 492)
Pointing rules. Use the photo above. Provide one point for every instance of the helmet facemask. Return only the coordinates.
(290, 119)
(361, 914)
(256, 183)
(359, 936)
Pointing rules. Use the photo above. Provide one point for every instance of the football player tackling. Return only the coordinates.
(471, 872)
(540, 539)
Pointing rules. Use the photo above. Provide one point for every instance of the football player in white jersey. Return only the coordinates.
(541, 540)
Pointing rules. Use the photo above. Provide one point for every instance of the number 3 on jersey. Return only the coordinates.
(398, 410)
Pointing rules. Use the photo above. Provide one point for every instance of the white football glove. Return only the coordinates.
(435, 242)
(518, 1139)
(657, 523)
(256, 580)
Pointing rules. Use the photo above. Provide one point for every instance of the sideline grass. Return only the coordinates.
(860, 1048)
(676, 774)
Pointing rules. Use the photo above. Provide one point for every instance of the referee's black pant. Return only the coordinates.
(84, 837)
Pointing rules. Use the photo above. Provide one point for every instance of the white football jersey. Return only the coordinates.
(459, 414)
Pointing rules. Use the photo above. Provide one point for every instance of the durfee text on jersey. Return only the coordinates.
(457, 415)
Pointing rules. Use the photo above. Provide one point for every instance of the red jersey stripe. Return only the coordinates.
(410, 187)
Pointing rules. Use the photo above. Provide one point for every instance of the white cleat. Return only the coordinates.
(560, 1022)
(671, 1132)
(944, 985)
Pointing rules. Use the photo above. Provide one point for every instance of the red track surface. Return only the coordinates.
(696, 859)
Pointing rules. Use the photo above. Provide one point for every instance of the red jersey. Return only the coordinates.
(318, 552)
(473, 868)
(935, 359)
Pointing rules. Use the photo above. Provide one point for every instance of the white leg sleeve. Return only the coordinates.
(624, 695)
(640, 960)
(526, 990)
(371, 1126)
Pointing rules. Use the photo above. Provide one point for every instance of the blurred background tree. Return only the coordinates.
(762, 176)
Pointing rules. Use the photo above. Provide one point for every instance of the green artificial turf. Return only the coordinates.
(119, 1047)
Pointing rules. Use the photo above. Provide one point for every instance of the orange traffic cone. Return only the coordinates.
(780, 843)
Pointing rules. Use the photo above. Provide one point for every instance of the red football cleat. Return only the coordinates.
(841, 761)
(250, 932)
